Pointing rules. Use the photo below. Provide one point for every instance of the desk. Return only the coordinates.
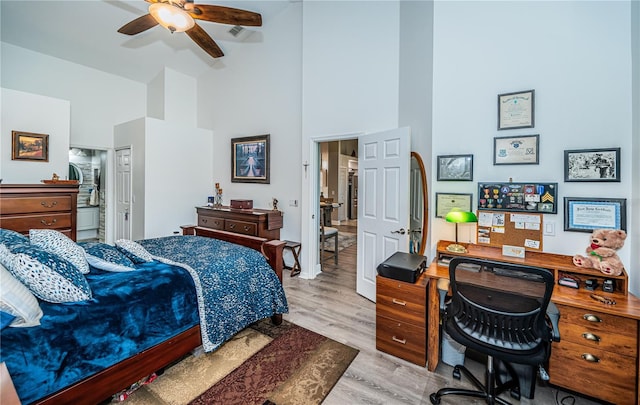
(608, 332)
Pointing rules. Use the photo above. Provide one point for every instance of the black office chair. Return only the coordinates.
(500, 310)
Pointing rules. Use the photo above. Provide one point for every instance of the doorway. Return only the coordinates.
(88, 166)
(338, 189)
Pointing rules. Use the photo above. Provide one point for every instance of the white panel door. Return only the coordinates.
(383, 197)
(123, 194)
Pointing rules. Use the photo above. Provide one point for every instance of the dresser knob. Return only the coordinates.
(246, 228)
(590, 358)
(591, 336)
(232, 226)
(44, 222)
(401, 341)
(591, 318)
(204, 220)
(49, 205)
(396, 301)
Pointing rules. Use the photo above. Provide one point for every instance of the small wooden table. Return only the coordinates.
(295, 248)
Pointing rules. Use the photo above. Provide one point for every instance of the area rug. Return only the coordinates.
(263, 364)
(345, 239)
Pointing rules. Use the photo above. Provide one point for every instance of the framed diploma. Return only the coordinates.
(516, 110)
(445, 202)
(516, 150)
(587, 214)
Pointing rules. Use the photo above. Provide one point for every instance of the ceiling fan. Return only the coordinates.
(180, 16)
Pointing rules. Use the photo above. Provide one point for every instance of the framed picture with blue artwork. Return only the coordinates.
(250, 159)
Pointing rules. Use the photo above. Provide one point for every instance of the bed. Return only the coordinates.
(161, 319)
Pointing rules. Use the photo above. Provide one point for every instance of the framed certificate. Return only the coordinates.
(516, 110)
(516, 150)
(446, 202)
(587, 214)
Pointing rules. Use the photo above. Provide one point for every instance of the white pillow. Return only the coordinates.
(17, 300)
(56, 242)
(134, 251)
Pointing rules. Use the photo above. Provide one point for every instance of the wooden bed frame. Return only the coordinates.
(99, 387)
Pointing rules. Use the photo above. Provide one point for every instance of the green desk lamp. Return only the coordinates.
(459, 217)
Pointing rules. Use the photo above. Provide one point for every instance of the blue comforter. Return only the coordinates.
(133, 311)
(235, 286)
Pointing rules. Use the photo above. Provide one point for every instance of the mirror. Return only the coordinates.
(75, 173)
(419, 206)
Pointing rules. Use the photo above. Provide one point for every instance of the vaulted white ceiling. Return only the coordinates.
(85, 32)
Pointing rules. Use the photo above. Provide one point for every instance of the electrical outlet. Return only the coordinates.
(293, 203)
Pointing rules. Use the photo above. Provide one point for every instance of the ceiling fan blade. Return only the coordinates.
(225, 15)
(204, 41)
(138, 25)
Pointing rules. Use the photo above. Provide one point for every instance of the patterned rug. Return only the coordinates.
(345, 239)
(263, 364)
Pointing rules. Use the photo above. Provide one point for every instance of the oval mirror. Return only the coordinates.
(419, 207)
(75, 173)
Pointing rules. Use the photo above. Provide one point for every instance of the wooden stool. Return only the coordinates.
(295, 248)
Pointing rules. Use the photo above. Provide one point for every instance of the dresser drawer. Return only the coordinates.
(210, 222)
(400, 290)
(611, 378)
(396, 306)
(247, 228)
(402, 340)
(609, 340)
(598, 321)
(39, 221)
(19, 205)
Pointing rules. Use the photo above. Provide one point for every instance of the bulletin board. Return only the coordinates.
(498, 228)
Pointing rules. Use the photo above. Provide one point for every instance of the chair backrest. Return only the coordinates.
(500, 307)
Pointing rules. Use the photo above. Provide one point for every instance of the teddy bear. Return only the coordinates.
(601, 254)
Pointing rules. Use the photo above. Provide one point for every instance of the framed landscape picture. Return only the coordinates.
(250, 159)
(29, 146)
(592, 165)
(455, 168)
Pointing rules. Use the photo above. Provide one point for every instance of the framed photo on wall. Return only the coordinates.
(516, 110)
(250, 159)
(455, 168)
(445, 202)
(516, 150)
(592, 165)
(587, 214)
(29, 146)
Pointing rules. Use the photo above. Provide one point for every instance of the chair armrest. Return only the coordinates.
(553, 314)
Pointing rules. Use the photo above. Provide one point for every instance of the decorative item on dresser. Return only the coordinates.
(37, 206)
(255, 222)
(599, 340)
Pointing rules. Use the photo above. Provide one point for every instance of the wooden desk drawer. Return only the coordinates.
(398, 308)
(40, 221)
(19, 205)
(598, 321)
(247, 228)
(609, 340)
(211, 222)
(407, 292)
(402, 340)
(611, 378)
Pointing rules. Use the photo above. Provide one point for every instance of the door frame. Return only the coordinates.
(310, 202)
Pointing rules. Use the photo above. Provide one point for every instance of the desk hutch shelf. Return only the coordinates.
(598, 352)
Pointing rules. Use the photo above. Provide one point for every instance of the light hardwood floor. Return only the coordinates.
(329, 305)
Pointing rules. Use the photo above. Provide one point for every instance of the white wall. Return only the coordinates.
(98, 100)
(577, 57)
(27, 112)
(258, 92)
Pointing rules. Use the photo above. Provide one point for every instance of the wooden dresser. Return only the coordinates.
(401, 318)
(255, 222)
(598, 352)
(39, 206)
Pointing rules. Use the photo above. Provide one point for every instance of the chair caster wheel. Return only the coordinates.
(515, 393)
(456, 373)
(435, 400)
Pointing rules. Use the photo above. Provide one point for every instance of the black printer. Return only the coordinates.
(403, 266)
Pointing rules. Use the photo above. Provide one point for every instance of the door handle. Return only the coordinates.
(401, 231)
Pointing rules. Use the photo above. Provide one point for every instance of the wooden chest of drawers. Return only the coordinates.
(401, 319)
(603, 347)
(39, 206)
(255, 222)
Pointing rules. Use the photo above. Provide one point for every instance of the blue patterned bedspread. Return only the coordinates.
(235, 285)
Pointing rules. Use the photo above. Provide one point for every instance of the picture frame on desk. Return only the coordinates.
(587, 214)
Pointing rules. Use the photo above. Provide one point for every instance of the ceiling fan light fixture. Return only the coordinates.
(171, 17)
